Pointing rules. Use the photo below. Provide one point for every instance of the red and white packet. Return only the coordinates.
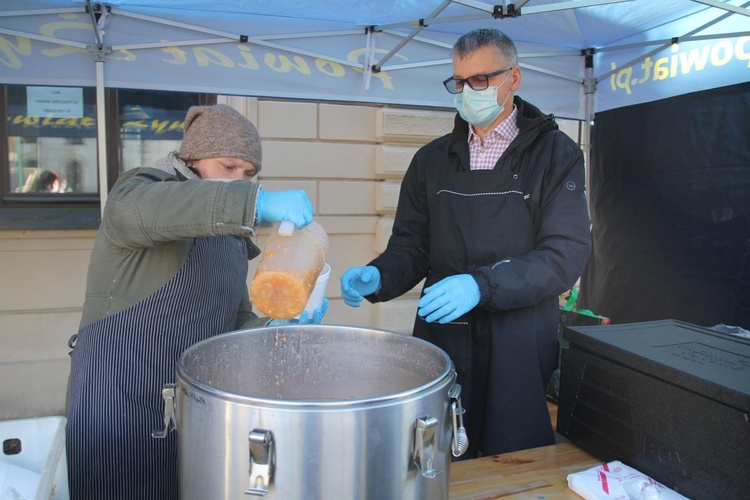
(615, 480)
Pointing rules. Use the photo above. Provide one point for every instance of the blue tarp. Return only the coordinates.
(641, 50)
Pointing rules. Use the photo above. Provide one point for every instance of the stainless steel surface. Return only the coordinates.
(315, 411)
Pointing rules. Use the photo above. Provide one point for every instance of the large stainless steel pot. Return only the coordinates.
(315, 411)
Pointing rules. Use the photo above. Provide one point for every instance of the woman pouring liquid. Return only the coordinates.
(168, 269)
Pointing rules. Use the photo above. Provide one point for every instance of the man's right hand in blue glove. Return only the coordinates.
(449, 298)
(357, 282)
(276, 206)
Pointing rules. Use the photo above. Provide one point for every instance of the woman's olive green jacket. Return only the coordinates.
(151, 219)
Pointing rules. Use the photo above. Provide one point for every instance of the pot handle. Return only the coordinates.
(460, 438)
(261, 462)
(424, 446)
(167, 393)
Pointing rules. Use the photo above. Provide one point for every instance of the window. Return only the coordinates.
(51, 143)
(48, 141)
(150, 125)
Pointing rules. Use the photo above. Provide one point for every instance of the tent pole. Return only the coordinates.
(101, 134)
(667, 43)
(587, 142)
(589, 89)
(488, 12)
(422, 24)
(737, 9)
(101, 111)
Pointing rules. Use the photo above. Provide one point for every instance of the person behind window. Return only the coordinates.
(494, 216)
(41, 181)
(49, 182)
(168, 269)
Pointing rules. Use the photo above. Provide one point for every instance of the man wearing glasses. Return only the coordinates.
(494, 216)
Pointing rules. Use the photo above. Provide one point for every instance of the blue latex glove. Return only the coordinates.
(304, 319)
(449, 298)
(357, 282)
(276, 206)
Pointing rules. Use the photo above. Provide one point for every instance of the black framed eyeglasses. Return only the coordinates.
(476, 82)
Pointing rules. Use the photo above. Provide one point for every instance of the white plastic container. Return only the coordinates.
(32, 461)
(289, 267)
(319, 291)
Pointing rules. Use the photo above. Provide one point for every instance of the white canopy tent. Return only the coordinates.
(577, 56)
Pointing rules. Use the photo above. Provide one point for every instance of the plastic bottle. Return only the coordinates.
(289, 266)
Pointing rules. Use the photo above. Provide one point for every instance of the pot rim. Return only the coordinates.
(447, 375)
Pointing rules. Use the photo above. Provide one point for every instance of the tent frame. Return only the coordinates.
(100, 14)
(590, 81)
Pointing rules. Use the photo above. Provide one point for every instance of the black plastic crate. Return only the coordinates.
(668, 398)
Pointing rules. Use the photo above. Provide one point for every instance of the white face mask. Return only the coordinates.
(480, 107)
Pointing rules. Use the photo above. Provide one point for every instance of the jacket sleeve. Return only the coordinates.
(148, 206)
(405, 261)
(562, 244)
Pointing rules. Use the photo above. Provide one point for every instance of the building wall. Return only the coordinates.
(350, 160)
(43, 281)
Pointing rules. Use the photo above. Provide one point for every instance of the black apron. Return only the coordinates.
(120, 364)
(503, 359)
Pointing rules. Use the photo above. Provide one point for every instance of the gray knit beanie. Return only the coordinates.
(219, 132)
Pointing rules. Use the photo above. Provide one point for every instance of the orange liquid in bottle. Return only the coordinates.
(282, 294)
(288, 270)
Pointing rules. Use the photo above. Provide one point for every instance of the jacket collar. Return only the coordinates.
(529, 118)
(173, 165)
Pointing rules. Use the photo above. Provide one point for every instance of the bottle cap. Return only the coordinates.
(286, 228)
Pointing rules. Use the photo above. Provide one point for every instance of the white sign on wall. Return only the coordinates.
(54, 102)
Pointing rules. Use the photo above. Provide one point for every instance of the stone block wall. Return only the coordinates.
(350, 160)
